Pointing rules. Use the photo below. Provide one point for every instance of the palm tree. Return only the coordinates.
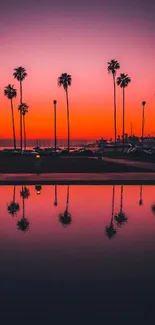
(141, 196)
(65, 80)
(110, 230)
(13, 207)
(113, 66)
(11, 93)
(65, 218)
(123, 80)
(55, 125)
(143, 121)
(23, 108)
(20, 74)
(121, 218)
(56, 199)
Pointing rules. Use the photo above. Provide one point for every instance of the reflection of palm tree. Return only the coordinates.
(141, 195)
(66, 218)
(121, 218)
(111, 231)
(153, 208)
(23, 223)
(13, 207)
(56, 198)
(25, 193)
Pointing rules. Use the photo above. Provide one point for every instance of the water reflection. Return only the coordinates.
(65, 218)
(23, 223)
(141, 195)
(46, 266)
(13, 207)
(121, 218)
(56, 196)
(110, 230)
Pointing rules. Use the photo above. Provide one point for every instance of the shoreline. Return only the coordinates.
(78, 179)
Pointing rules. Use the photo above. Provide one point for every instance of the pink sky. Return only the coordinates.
(50, 41)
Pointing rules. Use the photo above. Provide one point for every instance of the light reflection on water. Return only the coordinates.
(81, 245)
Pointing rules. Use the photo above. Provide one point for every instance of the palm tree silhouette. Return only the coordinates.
(11, 93)
(141, 195)
(56, 199)
(65, 80)
(113, 66)
(20, 74)
(153, 208)
(25, 193)
(13, 207)
(23, 108)
(23, 223)
(123, 80)
(55, 125)
(143, 121)
(110, 230)
(121, 218)
(66, 218)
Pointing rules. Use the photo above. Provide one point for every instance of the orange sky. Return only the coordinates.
(81, 45)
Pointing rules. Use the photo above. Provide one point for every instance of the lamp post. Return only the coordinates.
(55, 136)
(143, 121)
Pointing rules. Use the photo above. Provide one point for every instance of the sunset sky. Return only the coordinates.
(48, 37)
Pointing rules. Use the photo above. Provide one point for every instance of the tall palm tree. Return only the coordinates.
(13, 207)
(56, 198)
(66, 218)
(11, 93)
(110, 230)
(141, 195)
(143, 121)
(20, 74)
(113, 66)
(23, 108)
(65, 80)
(121, 218)
(25, 192)
(123, 80)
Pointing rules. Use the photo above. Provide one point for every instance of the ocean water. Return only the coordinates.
(77, 250)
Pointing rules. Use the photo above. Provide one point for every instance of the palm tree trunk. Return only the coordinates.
(123, 116)
(13, 125)
(115, 127)
(143, 127)
(21, 131)
(67, 200)
(23, 203)
(55, 136)
(14, 193)
(121, 201)
(24, 130)
(113, 204)
(68, 119)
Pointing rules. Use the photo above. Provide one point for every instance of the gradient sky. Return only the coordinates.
(50, 37)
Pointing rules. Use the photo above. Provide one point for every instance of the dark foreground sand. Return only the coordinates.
(28, 164)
